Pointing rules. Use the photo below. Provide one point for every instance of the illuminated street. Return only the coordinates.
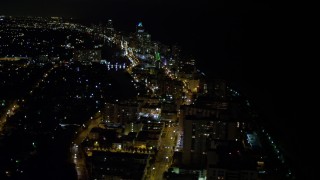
(10, 111)
(14, 106)
(76, 151)
(165, 154)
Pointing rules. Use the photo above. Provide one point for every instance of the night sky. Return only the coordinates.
(255, 44)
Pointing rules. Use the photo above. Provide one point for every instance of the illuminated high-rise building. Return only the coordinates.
(176, 51)
(139, 28)
(143, 39)
(109, 28)
(200, 125)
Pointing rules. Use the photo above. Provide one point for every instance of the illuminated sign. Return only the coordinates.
(157, 56)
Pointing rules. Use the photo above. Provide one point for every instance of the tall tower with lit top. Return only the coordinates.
(139, 28)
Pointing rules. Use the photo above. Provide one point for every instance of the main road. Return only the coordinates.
(14, 106)
(77, 154)
(164, 156)
(10, 110)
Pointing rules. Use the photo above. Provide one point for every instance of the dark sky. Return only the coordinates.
(256, 44)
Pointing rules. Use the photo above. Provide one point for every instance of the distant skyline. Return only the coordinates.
(208, 31)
